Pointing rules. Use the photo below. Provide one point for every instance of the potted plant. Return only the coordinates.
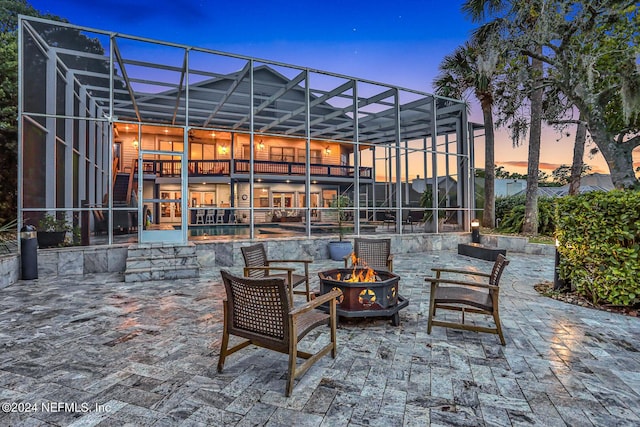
(426, 201)
(338, 250)
(52, 231)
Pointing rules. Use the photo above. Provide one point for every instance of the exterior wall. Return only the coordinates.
(509, 187)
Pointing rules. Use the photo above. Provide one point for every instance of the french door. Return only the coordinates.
(171, 207)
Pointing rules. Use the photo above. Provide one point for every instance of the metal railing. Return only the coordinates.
(173, 168)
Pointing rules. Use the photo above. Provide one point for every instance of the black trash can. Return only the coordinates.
(29, 252)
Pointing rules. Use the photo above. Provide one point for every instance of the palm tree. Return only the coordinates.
(471, 68)
(480, 10)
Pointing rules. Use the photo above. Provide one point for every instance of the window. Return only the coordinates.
(281, 154)
(196, 151)
(314, 157)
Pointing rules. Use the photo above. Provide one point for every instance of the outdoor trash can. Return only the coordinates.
(29, 252)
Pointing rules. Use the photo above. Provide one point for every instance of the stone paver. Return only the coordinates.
(96, 351)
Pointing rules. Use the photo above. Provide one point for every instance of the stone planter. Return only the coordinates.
(340, 249)
(50, 239)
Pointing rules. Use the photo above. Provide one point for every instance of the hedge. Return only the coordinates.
(599, 242)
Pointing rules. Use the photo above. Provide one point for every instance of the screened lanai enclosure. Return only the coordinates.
(124, 139)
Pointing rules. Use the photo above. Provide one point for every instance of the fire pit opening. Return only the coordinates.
(365, 292)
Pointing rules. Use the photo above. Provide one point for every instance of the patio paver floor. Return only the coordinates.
(147, 353)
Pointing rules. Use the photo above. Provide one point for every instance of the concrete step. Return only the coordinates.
(166, 273)
(161, 261)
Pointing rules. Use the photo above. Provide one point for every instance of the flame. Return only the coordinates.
(363, 275)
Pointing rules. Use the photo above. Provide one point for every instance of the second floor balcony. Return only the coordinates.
(216, 168)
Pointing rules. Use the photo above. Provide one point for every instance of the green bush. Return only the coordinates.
(504, 205)
(511, 211)
(599, 237)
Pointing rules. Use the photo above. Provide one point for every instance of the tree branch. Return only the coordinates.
(539, 56)
(634, 142)
(567, 122)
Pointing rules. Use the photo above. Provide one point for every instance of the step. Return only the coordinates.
(166, 273)
(161, 261)
(159, 249)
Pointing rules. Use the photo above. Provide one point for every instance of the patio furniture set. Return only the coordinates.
(259, 307)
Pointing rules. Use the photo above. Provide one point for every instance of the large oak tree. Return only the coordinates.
(590, 53)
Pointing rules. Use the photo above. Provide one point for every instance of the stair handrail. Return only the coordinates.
(114, 171)
(131, 176)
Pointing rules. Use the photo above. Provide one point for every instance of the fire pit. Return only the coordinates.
(365, 292)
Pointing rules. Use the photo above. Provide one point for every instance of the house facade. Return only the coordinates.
(132, 140)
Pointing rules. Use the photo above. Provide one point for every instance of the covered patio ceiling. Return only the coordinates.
(286, 99)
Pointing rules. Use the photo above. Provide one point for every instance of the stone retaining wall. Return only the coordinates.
(9, 269)
(517, 244)
(82, 260)
(215, 254)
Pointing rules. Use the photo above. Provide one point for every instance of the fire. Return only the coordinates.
(366, 274)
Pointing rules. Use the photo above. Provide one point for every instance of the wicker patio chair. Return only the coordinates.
(467, 297)
(374, 253)
(258, 265)
(259, 311)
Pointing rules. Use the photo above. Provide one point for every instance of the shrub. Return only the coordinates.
(512, 214)
(599, 237)
(504, 205)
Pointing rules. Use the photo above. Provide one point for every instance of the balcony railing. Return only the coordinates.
(288, 168)
(200, 168)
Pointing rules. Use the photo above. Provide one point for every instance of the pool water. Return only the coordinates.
(233, 230)
(219, 230)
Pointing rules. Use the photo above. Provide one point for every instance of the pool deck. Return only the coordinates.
(145, 354)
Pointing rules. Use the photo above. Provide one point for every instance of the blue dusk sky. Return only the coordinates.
(400, 43)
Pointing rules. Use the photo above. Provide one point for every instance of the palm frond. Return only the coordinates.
(480, 10)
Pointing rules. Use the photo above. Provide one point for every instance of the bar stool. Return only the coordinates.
(200, 216)
(209, 218)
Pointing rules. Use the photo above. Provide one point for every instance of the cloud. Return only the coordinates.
(544, 166)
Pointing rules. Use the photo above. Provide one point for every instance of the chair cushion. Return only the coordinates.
(464, 296)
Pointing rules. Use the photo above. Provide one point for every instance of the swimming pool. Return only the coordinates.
(200, 231)
(219, 230)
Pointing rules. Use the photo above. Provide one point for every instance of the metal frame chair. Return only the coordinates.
(258, 265)
(467, 297)
(259, 311)
(374, 253)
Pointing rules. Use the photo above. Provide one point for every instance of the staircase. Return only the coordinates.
(120, 189)
(161, 261)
